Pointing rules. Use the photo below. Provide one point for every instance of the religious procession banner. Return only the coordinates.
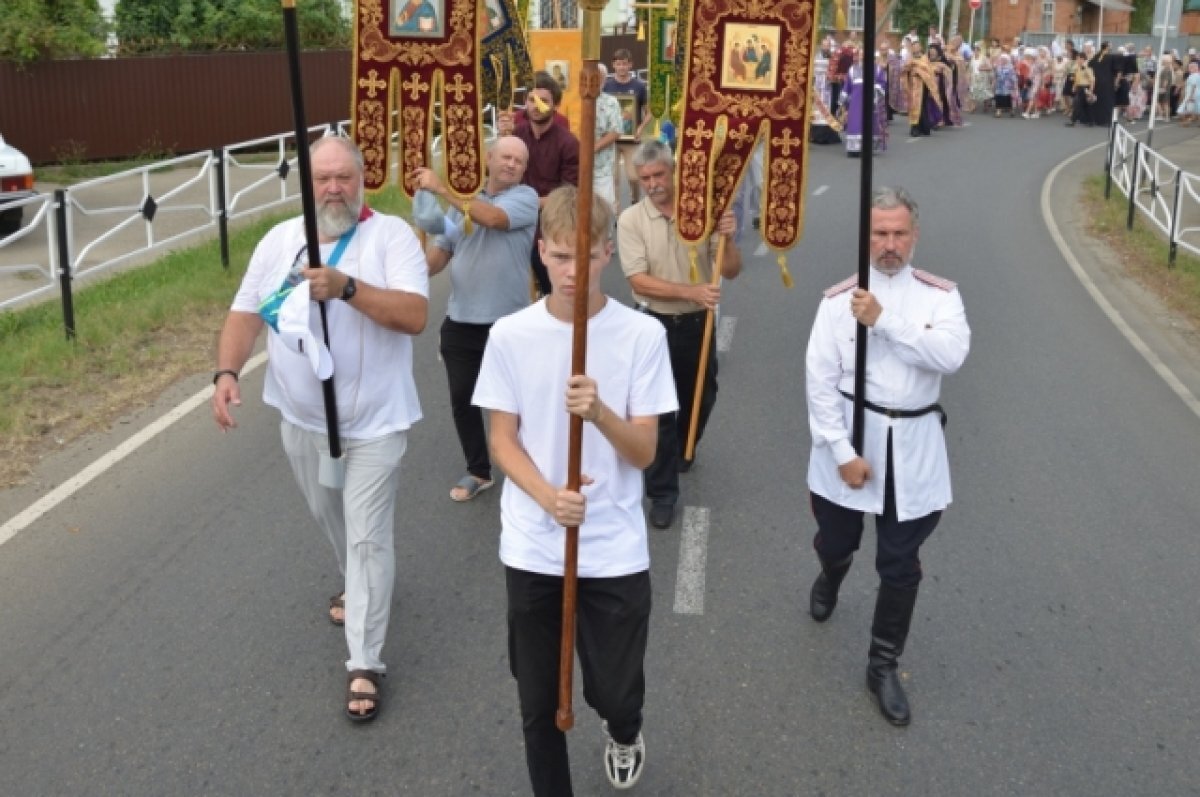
(664, 82)
(504, 52)
(746, 77)
(410, 55)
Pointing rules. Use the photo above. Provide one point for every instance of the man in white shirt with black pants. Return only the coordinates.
(917, 332)
(627, 386)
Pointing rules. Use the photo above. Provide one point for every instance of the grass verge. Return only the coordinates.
(1143, 251)
(137, 333)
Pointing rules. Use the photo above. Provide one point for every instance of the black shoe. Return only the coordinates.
(662, 515)
(914, 131)
(889, 631)
(824, 594)
(1069, 124)
(685, 464)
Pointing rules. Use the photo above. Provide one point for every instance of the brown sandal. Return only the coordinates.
(374, 697)
(337, 602)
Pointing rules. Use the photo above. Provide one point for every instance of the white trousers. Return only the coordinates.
(359, 521)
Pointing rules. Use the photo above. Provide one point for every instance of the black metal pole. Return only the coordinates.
(866, 156)
(64, 261)
(1172, 237)
(309, 203)
(1133, 184)
(222, 211)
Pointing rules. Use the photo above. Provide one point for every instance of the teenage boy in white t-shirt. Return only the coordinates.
(526, 370)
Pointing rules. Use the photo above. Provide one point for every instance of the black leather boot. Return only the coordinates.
(824, 593)
(893, 616)
(914, 131)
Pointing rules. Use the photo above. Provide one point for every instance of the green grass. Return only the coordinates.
(136, 333)
(1144, 250)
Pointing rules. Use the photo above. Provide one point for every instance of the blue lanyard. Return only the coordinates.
(342, 243)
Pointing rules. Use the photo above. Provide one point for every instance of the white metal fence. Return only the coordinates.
(96, 225)
(1166, 195)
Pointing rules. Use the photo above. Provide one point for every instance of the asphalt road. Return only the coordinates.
(164, 630)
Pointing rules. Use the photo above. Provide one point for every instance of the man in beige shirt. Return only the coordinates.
(657, 265)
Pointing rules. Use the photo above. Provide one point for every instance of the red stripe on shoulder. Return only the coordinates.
(841, 287)
(940, 283)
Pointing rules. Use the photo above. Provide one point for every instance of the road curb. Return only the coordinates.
(1137, 315)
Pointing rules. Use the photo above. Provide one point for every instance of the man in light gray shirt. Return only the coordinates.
(486, 244)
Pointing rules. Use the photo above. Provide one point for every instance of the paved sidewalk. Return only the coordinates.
(1172, 339)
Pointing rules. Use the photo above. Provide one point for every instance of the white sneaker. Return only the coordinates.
(1036, 115)
(623, 762)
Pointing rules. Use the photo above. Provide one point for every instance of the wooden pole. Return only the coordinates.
(689, 451)
(309, 204)
(589, 91)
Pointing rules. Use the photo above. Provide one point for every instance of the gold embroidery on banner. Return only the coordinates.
(710, 170)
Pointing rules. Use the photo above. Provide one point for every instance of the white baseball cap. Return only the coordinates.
(296, 330)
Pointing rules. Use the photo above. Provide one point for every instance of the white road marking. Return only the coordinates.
(725, 329)
(97, 468)
(1115, 317)
(761, 251)
(693, 556)
(820, 190)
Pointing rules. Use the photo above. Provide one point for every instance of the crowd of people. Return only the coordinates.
(512, 409)
(937, 83)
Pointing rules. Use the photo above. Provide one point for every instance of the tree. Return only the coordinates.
(916, 15)
(158, 26)
(36, 30)
(1142, 17)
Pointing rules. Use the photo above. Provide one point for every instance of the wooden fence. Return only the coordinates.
(108, 108)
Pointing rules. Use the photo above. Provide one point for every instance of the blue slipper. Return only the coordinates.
(468, 487)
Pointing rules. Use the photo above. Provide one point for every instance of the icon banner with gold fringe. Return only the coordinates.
(409, 55)
(504, 52)
(747, 76)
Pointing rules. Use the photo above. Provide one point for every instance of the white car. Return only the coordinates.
(16, 183)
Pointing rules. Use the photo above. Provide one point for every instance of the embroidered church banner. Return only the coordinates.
(664, 84)
(747, 75)
(504, 52)
(409, 55)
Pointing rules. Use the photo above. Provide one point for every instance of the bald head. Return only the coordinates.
(506, 162)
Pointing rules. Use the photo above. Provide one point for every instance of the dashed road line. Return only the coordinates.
(820, 190)
(693, 557)
(80, 480)
(725, 328)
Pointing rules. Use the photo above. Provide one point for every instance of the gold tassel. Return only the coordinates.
(783, 272)
(693, 256)
(641, 36)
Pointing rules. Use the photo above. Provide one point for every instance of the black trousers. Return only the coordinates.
(612, 627)
(685, 333)
(462, 348)
(897, 543)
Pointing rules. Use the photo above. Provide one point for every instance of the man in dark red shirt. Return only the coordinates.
(553, 152)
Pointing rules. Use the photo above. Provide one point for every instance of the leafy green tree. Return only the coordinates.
(36, 30)
(917, 14)
(1142, 17)
(145, 26)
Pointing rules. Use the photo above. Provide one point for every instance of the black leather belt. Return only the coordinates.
(891, 413)
(677, 318)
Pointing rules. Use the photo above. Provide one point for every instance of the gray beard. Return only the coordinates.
(888, 271)
(335, 219)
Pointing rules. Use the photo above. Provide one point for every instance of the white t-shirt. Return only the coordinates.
(372, 377)
(525, 370)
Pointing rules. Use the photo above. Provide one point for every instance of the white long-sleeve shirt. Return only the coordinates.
(920, 335)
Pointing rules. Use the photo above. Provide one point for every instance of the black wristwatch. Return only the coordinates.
(350, 289)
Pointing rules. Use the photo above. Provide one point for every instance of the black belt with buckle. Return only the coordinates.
(677, 318)
(891, 413)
